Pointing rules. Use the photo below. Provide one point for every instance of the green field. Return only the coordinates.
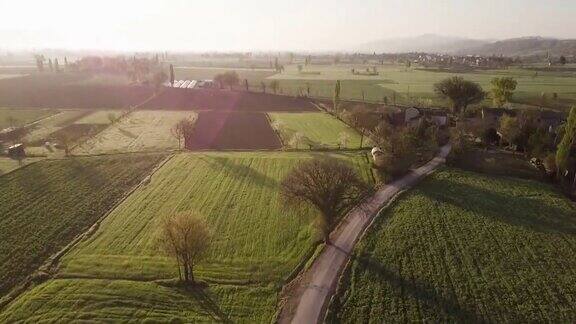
(146, 130)
(415, 86)
(463, 247)
(44, 205)
(319, 130)
(254, 77)
(256, 244)
(22, 116)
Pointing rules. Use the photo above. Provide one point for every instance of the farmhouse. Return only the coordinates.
(377, 154)
(412, 116)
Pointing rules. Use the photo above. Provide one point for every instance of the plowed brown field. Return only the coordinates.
(217, 130)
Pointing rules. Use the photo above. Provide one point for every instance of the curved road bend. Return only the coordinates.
(325, 271)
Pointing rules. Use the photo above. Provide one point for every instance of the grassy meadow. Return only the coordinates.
(256, 244)
(415, 86)
(254, 76)
(139, 131)
(464, 247)
(44, 205)
(318, 129)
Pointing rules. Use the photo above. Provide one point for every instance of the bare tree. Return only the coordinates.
(112, 118)
(343, 139)
(296, 139)
(65, 140)
(328, 184)
(274, 85)
(229, 78)
(182, 129)
(187, 239)
(361, 119)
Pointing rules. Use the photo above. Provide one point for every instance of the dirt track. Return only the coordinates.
(216, 130)
(310, 297)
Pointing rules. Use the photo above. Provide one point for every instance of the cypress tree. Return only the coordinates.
(563, 151)
(336, 96)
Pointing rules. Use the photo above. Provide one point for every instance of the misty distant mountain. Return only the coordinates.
(429, 43)
(524, 46)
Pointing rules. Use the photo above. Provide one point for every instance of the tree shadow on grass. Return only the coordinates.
(239, 171)
(205, 302)
(523, 211)
(424, 293)
(87, 171)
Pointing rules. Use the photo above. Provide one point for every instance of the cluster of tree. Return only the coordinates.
(53, 65)
(553, 150)
(521, 132)
(137, 69)
(368, 71)
(462, 93)
(229, 79)
(182, 130)
(399, 146)
(274, 85)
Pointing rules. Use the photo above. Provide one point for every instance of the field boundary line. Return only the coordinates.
(37, 121)
(276, 131)
(22, 167)
(44, 271)
(307, 296)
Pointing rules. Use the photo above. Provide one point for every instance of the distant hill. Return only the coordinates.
(430, 43)
(525, 46)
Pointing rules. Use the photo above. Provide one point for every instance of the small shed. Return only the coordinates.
(411, 114)
(376, 153)
(16, 151)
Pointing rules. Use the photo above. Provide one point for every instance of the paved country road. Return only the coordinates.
(319, 281)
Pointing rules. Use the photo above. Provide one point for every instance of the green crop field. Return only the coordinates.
(256, 244)
(464, 247)
(415, 86)
(319, 130)
(22, 116)
(140, 131)
(44, 205)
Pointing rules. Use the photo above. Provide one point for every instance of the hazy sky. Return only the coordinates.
(269, 24)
